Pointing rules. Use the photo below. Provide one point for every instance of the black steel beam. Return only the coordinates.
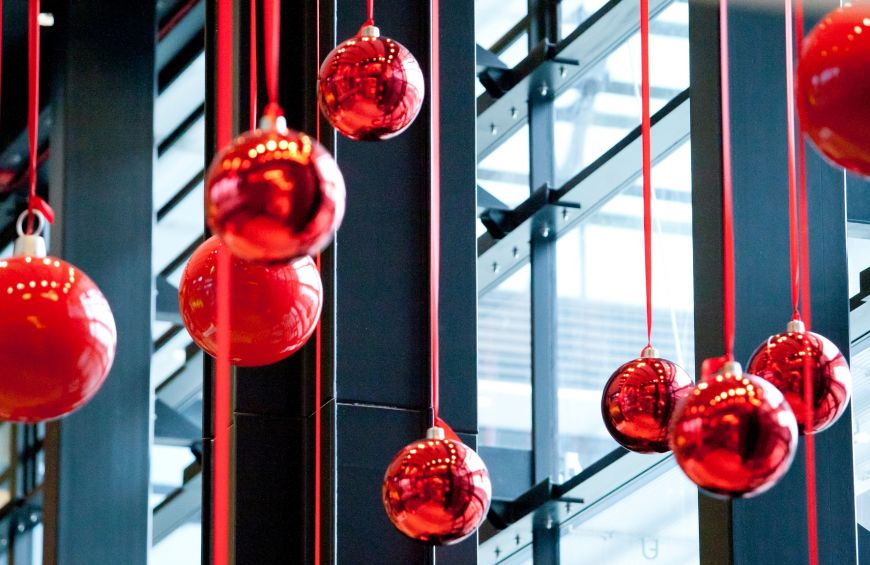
(103, 57)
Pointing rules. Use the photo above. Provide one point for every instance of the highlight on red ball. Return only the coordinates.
(371, 88)
(274, 194)
(734, 436)
(57, 339)
(274, 308)
(834, 86)
(437, 490)
(782, 361)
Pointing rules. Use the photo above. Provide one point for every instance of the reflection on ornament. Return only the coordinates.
(834, 86)
(57, 336)
(274, 308)
(639, 401)
(371, 88)
(437, 490)
(782, 359)
(734, 435)
(274, 194)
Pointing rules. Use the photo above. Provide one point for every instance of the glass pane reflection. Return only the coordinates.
(656, 521)
(601, 302)
(603, 105)
(504, 368)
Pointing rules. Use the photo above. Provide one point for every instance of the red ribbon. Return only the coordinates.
(318, 353)
(647, 160)
(800, 260)
(370, 12)
(35, 203)
(252, 84)
(272, 41)
(727, 192)
(222, 396)
(435, 207)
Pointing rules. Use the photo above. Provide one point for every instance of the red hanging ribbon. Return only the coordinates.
(252, 84)
(370, 12)
(222, 395)
(318, 353)
(435, 207)
(34, 203)
(727, 192)
(272, 42)
(800, 261)
(647, 160)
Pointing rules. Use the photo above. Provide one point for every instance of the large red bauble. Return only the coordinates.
(834, 86)
(782, 359)
(639, 401)
(274, 195)
(371, 88)
(735, 434)
(57, 338)
(437, 490)
(274, 308)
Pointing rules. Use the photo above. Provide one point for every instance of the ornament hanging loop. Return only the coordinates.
(32, 244)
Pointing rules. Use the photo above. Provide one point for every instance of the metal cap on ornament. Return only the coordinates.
(32, 244)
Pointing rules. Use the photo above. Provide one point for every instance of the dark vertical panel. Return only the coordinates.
(758, 534)
(102, 158)
(382, 284)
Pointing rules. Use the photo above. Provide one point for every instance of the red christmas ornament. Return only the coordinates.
(639, 400)
(437, 490)
(834, 86)
(57, 335)
(371, 88)
(734, 435)
(274, 194)
(781, 360)
(274, 308)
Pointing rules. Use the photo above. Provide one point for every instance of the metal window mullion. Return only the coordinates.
(543, 309)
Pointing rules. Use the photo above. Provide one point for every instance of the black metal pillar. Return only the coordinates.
(102, 153)
(382, 381)
(753, 531)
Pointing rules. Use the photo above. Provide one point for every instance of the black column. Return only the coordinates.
(102, 153)
(382, 379)
(753, 531)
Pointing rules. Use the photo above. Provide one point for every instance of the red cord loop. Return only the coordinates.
(34, 202)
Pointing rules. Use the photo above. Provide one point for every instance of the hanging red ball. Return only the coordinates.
(833, 86)
(782, 359)
(371, 88)
(57, 338)
(639, 400)
(274, 308)
(734, 435)
(274, 194)
(437, 490)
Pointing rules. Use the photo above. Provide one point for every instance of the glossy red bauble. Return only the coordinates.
(57, 338)
(274, 195)
(371, 88)
(782, 359)
(437, 490)
(274, 308)
(734, 435)
(639, 401)
(834, 86)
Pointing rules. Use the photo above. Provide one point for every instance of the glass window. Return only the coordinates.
(601, 312)
(603, 105)
(504, 173)
(494, 20)
(859, 262)
(504, 365)
(650, 521)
